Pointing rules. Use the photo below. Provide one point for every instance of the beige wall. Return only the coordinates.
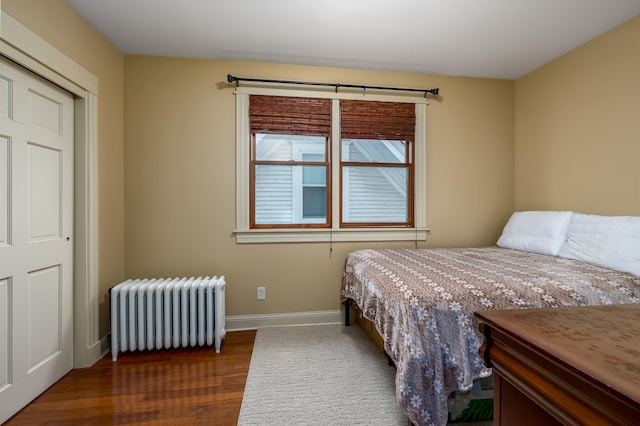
(577, 129)
(59, 24)
(180, 177)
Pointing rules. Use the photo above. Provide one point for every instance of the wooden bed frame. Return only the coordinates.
(367, 326)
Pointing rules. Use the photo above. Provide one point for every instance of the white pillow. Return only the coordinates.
(609, 241)
(543, 232)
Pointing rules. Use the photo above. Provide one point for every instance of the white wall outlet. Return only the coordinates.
(262, 295)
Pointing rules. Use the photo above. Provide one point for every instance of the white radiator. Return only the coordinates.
(167, 313)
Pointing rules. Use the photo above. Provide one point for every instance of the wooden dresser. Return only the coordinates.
(575, 366)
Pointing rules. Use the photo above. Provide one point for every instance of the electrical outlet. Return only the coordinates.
(262, 295)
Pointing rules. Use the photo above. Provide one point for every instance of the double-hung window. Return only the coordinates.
(319, 166)
(290, 169)
(376, 163)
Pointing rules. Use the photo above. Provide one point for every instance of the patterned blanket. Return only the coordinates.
(422, 303)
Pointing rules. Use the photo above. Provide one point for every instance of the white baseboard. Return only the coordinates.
(94, 352)
(252, 322)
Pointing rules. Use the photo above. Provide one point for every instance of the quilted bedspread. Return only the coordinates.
(422, 303)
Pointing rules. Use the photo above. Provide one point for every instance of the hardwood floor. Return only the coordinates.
(192, 386)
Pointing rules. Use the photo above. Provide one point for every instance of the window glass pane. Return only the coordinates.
(283, 147)
(312, 157)
(373, 151)
(374, 194)
(314, 202)
(273, 194)
(314, 175)
(282, 199)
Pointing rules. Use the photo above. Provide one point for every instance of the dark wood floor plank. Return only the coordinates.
(192, 386)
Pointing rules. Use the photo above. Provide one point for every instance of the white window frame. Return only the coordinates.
(334, 234)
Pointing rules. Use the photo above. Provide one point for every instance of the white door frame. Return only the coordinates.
(24, 47)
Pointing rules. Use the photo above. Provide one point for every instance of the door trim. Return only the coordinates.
(21, 45)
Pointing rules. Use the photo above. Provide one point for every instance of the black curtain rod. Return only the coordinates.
(237, 80)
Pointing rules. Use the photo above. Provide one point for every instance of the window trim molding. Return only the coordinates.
(244, 234)
(329, 235)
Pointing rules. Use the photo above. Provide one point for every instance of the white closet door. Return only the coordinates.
(36, 236)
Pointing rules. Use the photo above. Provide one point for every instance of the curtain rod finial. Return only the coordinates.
(434, 92)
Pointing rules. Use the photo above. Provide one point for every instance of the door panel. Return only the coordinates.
(44, 192)
(4, 190)
(36, 236)
(44, 334)
(44, 112)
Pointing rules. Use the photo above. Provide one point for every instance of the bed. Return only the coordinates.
(422, 301)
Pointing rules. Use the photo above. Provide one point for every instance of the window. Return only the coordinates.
(317, 166)
(377, 163)
(289, 161)
(289, 175)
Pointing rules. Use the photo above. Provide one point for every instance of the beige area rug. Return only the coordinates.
(319, 375)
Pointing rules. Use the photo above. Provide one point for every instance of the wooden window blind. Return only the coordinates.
(290, 115)
(377, 120)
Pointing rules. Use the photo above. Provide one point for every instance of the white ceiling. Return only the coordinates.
(476, 38)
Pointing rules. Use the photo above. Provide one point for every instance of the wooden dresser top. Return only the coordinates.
(602, 342)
